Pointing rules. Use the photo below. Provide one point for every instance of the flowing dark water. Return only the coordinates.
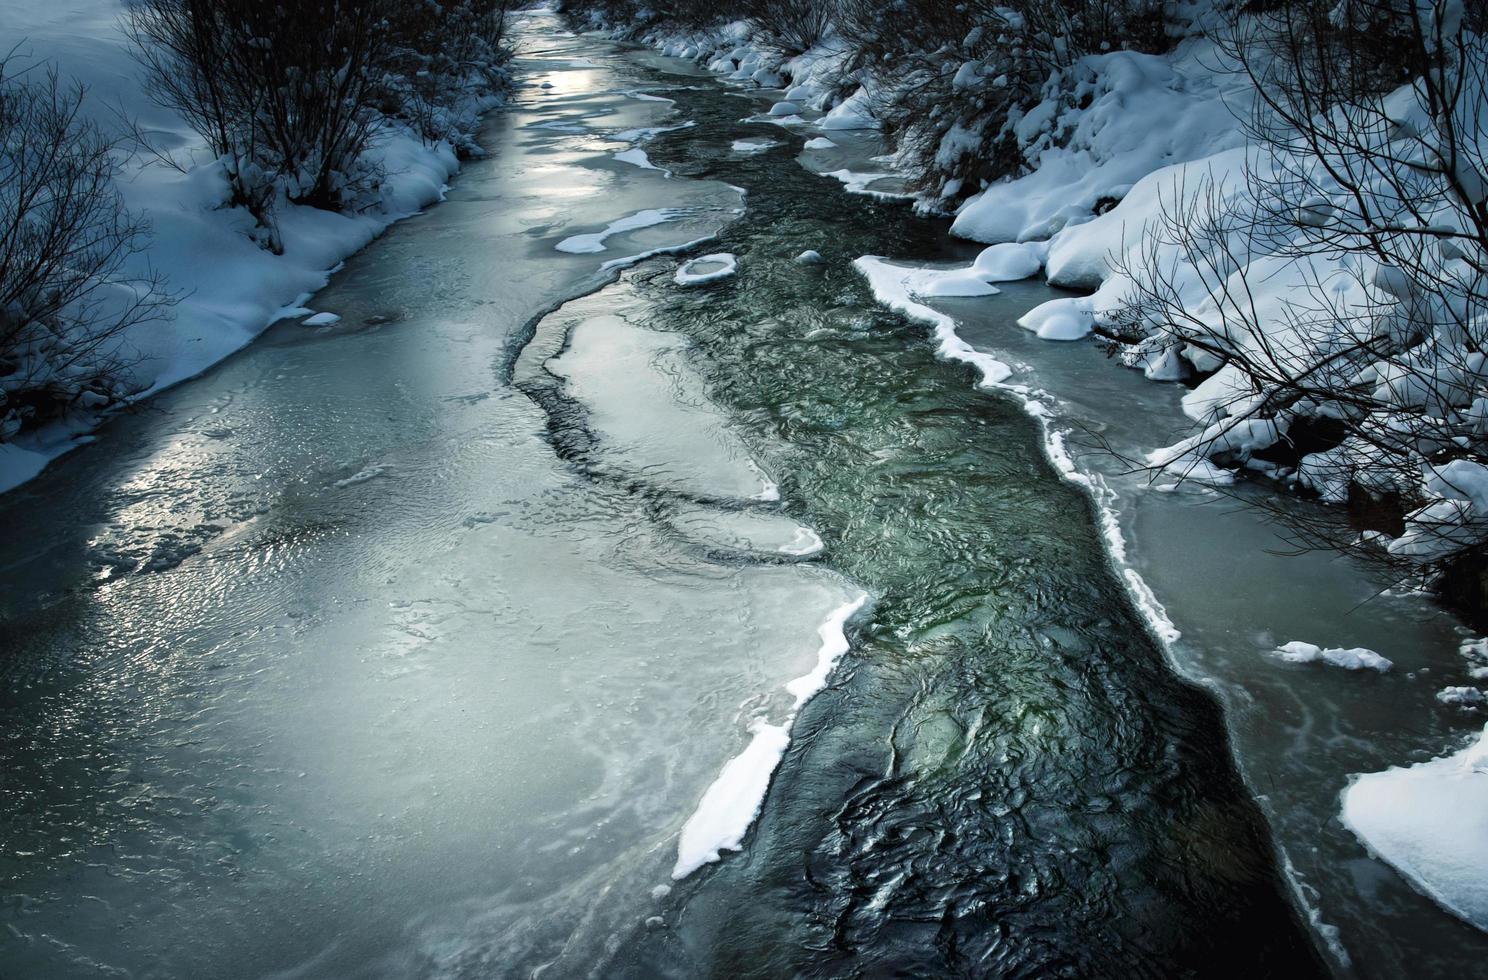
(406, 648)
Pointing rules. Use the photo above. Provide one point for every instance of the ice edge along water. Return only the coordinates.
(893, 286)
(729, 806)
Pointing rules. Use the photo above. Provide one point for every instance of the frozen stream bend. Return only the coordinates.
(411, 645)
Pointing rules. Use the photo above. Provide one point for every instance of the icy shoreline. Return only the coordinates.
(231, 290)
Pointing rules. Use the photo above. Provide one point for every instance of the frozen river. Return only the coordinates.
(464, 637)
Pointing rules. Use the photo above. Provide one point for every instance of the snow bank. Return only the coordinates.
(1430, 822)
(1106, 123)
(729, 806)
(231, 289)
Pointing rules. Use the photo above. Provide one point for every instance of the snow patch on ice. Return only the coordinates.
(730, 805)
(637, 157)
(862, 183)
(1355, 658)
(1430, 822)
(595, 241)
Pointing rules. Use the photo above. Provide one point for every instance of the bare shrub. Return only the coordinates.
(444, 57)
(283, 94)
(791, 27)
(949, 81)
(66, 293)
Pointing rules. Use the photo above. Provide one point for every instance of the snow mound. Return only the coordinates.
(707, 268)
(855, 113)
(1430, 822)
(819, 143)
(1356, 658)
(321, 320)
(1466, 698)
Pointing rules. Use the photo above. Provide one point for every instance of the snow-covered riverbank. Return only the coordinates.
(230, 288)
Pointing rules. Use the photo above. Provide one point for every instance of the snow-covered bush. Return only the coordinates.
(283, 94)
(446, 61)
(290, 96)
(65, 238)
(952, 82)
(1335, 278)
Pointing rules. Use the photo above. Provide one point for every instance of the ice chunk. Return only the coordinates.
(707, 268)
(321, 320)
(1356, 658)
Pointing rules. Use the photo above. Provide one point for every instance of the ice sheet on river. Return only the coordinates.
(649, 416)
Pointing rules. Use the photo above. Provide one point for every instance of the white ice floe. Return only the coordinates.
(819, 143)
(753, 146)
(1430, 822)
(809, 257)
(707, 268)
(595, 241)
(730, 805)
(862, 183)
(1355, 658)
(636, 157)
(321, 320)
(646, 133)
(361, 476)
